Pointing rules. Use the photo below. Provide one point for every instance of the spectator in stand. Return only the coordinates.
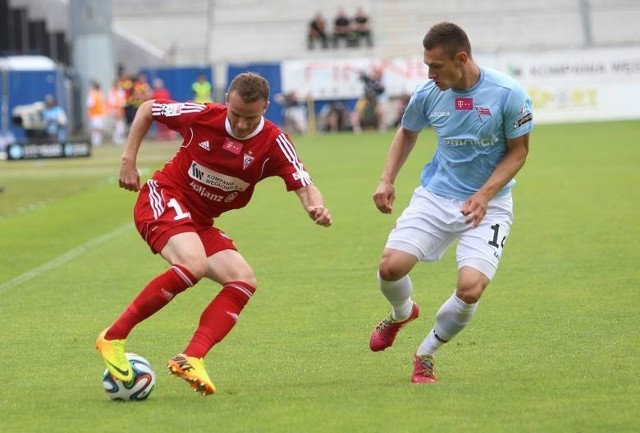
(163, 132)
(317, 32)
(97, 113)
(116, 102)
(342, 29)
(55, 119)
(361, 27)
(202, 90)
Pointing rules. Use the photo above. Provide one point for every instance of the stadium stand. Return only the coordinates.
(249, 30)
(199, 32)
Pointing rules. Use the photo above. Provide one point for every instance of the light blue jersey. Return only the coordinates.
(472, 127)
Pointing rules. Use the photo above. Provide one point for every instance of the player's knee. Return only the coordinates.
(394, 266)
(388, 272)
(470, 295)
(470, 286)
(246, 276)
(249, 280)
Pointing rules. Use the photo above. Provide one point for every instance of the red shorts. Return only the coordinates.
(161, 212)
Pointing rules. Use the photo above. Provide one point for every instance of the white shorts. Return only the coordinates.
(431, 223)
(97, 122)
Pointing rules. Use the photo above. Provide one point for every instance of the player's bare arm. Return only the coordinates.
(401, 147)
(475, 207)
(129, 176)
(312, 201)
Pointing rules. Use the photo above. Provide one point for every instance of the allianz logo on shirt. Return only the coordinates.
(204, 145)
(482, 142)
(438, 114)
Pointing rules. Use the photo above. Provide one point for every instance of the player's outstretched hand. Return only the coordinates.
(384, 197)
(129, 178)
(320, 215)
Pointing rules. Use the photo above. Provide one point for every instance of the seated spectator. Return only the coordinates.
(342, 29)
(368, 114)
(317, 32)
(55, 119)
(361, 28)
(334, 117)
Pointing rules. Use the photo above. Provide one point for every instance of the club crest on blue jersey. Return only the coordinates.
(484, 113)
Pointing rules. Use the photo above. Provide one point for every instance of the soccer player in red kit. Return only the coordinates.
(227, 149)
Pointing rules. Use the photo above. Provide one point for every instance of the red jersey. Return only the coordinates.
(216, 172)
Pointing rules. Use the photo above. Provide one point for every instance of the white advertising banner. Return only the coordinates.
(580, 85)
(340, 78)
(566, 86)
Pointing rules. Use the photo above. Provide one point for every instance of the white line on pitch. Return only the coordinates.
(70, 255)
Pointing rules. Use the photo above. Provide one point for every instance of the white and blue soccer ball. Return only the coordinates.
(144, 379)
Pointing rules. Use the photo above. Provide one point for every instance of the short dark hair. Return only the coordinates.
(448, 35)
(251, 86)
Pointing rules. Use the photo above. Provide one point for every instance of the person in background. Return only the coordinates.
(334, 116)
(116, 102)
(294, 112)
(367, 114)
(97, 113)
(361, 27)
(342, 29)
(370, 107)
(55, 119)
(227, 150)
(400, 104)
(482, 120)
(141, 91)
(125, 83)
(202, 90)
(317, 32)
(163, 132)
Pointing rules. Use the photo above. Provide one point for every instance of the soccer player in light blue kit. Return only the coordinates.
(482, 119)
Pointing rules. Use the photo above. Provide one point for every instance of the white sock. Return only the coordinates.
(451, 318)
(398, 293)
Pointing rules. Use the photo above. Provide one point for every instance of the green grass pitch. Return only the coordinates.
(554, 346)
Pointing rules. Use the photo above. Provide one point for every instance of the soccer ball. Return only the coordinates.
(144, 379)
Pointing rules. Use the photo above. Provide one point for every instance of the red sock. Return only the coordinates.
(219, 317)
(158, 293)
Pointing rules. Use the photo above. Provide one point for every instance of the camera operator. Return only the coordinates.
(55, 119)
(369, 113)
(372, 83)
